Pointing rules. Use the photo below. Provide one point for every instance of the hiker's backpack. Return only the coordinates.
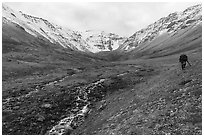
(183, 58)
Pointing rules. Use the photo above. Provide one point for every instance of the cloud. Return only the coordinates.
(123, 18)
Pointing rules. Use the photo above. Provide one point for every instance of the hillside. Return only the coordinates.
(23, 53)
(158, 100)
(144, 96)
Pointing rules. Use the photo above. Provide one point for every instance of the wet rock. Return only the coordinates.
(103, 105)
(40, 118)
(47, 105)
(16, 107)
(185, 82)
(75, 110)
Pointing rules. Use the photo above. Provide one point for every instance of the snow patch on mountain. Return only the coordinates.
(163, 31)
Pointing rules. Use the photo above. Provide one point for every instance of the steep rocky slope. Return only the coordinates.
(165, 27)
(39, 27)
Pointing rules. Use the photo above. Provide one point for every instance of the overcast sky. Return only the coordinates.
(117, 17)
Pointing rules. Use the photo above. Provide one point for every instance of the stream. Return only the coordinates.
(84, 97)
(77, 116)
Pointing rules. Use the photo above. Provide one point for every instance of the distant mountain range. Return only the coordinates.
(96, 41)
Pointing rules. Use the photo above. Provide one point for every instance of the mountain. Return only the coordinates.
(177, 32)
(33, 45)
(89, 41)
(165, 28)
(44, 29)
(97, 41)
(102, 41)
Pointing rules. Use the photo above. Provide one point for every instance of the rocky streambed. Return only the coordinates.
(86, 95)
(53, 113)
(84, 101)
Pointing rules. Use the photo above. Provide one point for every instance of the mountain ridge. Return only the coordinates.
(37, 26)
(170, 24)
(97, 41)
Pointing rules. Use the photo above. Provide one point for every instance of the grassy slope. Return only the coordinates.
(167, 103)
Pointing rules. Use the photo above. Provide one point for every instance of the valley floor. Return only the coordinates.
(144, 96)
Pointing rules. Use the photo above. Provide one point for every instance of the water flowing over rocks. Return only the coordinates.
(86, 95)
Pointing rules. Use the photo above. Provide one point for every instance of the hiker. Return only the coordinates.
(183, 59)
